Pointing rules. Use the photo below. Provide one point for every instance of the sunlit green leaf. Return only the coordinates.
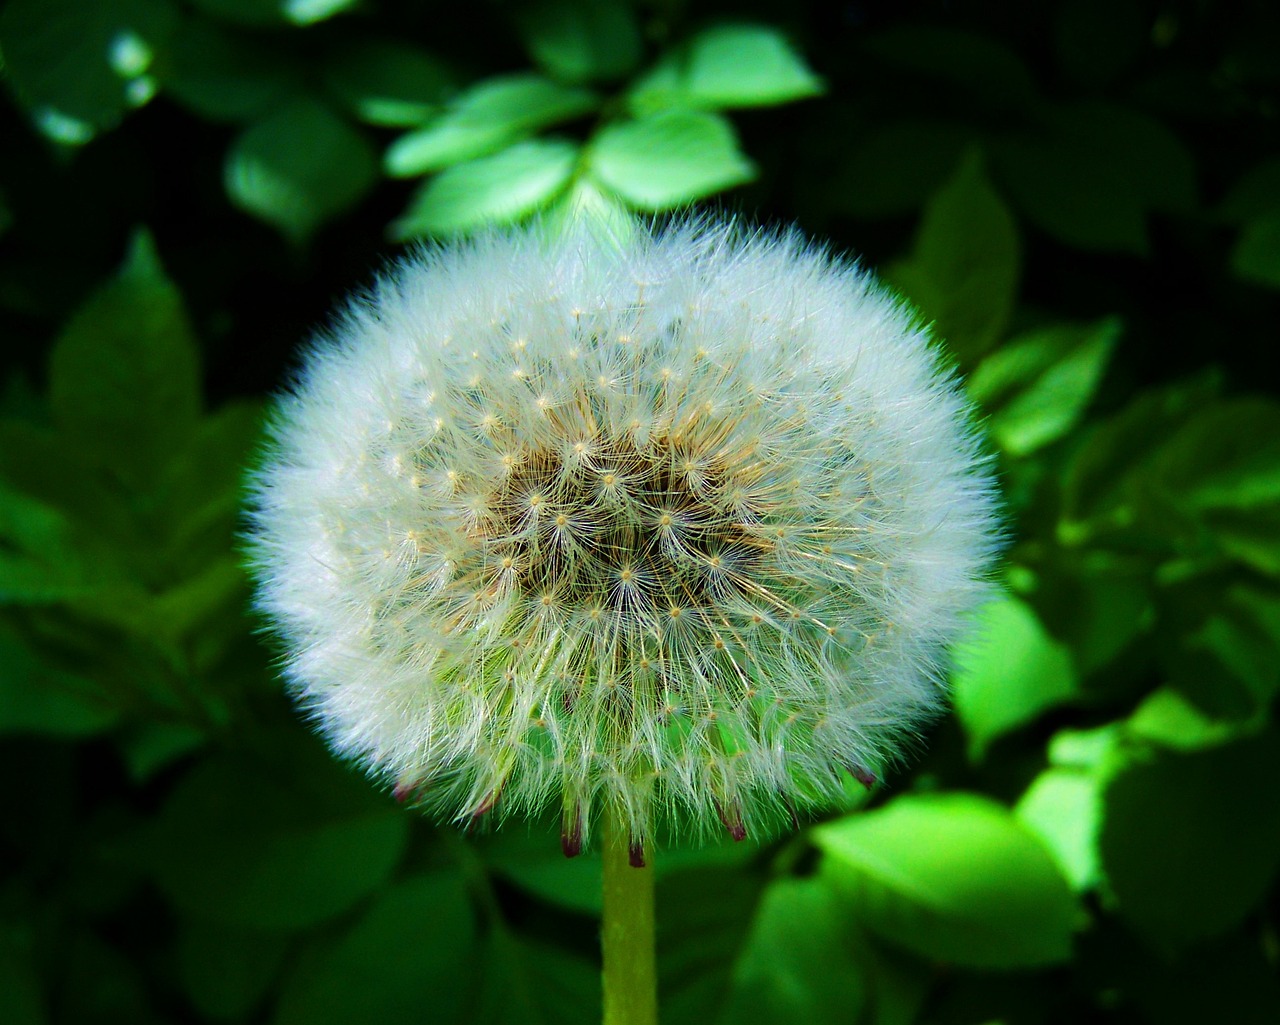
(484, 119)
(78, 67)
(668, 159)
(1063, 807)
(298, 168)
(410, 955)
(227, 77)
(1191, 842)
(952, 877)
(736, 65)
(582, 42)
(799, 963)
(963, 270)
(1011, 672)
(491, 190)
(124, 376)
(586, 202)
(1036, 386)
(273, 12)
(387, 83)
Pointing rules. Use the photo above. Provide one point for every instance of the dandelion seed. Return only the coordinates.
(689, 555)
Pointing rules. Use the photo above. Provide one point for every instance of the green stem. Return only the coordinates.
(630, 980)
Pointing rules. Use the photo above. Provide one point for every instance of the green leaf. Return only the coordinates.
(1255, 194)
(78, 67)
(963, 269)
(799, 963)
(529, 981)
(703, 916)
(299, 167)
(275, 846)
(225, 971)
(971, 62)
(492, 190)
(1094, 172)
(265, 13)
(484, 119)
(38, 698)
(892, 169)
(1011, 673)
(226, 77)
(1103, 480)
(952, 877)
(21, 992)
(586, 202)
(1167, 718)
(534, 862)
(582, 42)
(1226, 456)
(738, 65)
(1063, 806)
(124, 376)
(1191, 842)
(411, 956)
(390, 84)
(1037, 386)
(668, 159)
(1256, 256)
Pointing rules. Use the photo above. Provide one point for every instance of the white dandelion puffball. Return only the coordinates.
(679, 526)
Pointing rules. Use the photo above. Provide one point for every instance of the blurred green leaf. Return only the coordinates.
(1191, 842)
(952, 877)
(124, 376)
(1256, 256)
(963, 269)
(244, 844)
(587, 202)
(1092, 173)
(975, 63)
(21, 992)
(1167, 718)
(1255, 194)
(226, 972)
(37, 698)
(265, 13)
(1097, 40)
(299, 167)
(703, 917)
(78, 67)
(1103, 480)
(1063, 806)
(411, 956)
(1009, 674)
(526, 980)
(484, 119)
(227, 77)
(491, 190)
(892, 169)
(1036, 386)
(533, 861)
(799, 963)
(390, 84)
(737, 65)
(668, 159)
(577, 41)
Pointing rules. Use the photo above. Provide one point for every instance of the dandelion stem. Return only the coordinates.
(630, 981)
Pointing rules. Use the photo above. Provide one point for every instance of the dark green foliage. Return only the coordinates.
(1083, 197)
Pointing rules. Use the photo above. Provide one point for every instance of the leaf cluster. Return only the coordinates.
(1082, 197)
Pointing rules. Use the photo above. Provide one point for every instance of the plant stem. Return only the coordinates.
(630, 980)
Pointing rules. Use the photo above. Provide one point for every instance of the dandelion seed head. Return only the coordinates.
(684, 525)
